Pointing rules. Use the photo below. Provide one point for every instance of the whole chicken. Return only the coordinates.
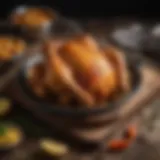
(80, 67)
(92, 69)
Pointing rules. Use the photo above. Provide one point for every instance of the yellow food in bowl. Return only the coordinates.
(33, 17)
(10, 47)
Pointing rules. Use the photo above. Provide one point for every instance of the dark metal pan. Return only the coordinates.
(69, 121)
(52, 110)
(65, 120)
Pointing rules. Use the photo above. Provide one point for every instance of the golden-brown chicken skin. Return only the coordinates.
(98, 74)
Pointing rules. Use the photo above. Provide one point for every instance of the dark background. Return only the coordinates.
(88, 8)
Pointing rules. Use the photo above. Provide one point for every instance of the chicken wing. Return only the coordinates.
(118, 60)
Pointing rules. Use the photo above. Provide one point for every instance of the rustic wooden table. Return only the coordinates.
(147, 145)
(143, 148)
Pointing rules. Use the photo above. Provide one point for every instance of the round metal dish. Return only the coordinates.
(84, 124)
(35, 32)
(55, 109)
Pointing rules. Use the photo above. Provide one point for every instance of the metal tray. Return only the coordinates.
(50, 109)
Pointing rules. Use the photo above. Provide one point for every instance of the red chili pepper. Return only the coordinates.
(118, 144)
(121, 144)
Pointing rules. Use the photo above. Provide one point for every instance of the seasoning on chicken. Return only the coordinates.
(82, 69)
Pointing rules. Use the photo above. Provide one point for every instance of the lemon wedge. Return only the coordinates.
(11, 137)
(53, 147)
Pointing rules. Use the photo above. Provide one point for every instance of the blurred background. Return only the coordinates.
(95, 8)
(138, 34)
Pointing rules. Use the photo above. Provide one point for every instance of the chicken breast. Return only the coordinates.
(93, 71)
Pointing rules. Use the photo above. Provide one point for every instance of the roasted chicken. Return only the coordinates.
(80, 69)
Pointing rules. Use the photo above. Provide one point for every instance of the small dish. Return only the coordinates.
(22, 16)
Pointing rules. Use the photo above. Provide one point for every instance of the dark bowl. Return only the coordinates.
(36, 32)
(48, 108)
(82, 124)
